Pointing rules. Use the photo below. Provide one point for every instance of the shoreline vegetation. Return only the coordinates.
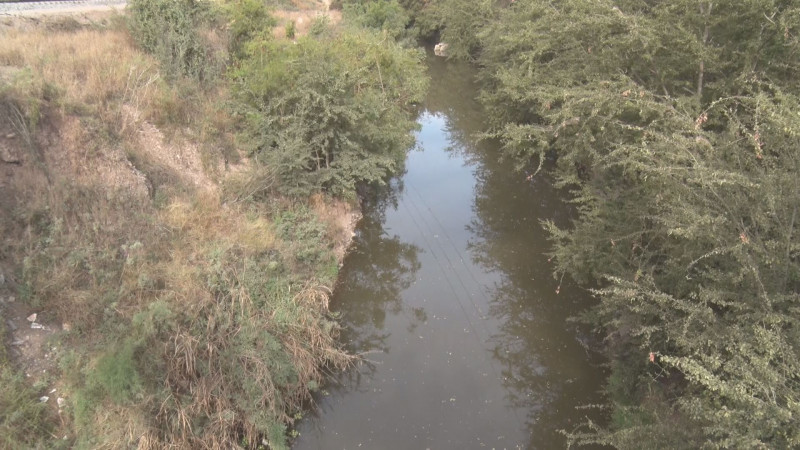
(179, 186)
(175, 183)
(674, 128)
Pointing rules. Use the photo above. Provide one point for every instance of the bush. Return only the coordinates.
(117, 374)
(290, 30)
(386, 15)
(329, 113)
(306, 237)
(675, 128)
(172, 30)
(248, 19)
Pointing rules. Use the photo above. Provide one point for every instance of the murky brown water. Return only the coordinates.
(449, 296)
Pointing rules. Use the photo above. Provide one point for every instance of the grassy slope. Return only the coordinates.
(195, 318)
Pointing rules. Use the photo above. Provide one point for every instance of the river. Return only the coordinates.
(449, 296)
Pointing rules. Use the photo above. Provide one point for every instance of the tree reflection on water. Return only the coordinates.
(547, 371)
(371, 281)
(522, 362)
(545, 366)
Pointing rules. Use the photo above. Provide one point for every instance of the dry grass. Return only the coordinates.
(203, 226)
(340, 217)
(124, 235)
(90, 70)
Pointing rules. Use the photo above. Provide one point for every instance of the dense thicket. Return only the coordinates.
(675, 126)
(331, 111)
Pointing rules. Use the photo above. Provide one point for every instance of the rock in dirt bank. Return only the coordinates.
(441, 49)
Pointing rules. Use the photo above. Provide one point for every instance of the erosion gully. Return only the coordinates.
(449, 296)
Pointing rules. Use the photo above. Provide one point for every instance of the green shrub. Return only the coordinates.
(248, 19)
(306, 237)
(320, 26)
(328, 114)
(117, 374)
(290, 29)
(172, 30)
(385, 15)
(675, 128)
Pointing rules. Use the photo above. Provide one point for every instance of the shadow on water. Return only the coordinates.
(449, 295)
(547, 363)
(527, 299)
(377, 269)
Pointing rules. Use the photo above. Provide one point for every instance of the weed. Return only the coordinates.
(320, 26)
(117, 374)
(291, 29)
(24, 421)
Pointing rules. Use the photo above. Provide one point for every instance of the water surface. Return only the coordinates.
(449, 296)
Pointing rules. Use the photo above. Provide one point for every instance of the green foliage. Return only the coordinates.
(457, 23)
(320, 26)
(117, 374)
(674, 125)
(307, 237)
(385, 15)
(157, 319)
(173, 31)
(247, 20)
(330, 113)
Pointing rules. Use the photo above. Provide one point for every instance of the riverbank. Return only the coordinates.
(450, 297)
(147, 298)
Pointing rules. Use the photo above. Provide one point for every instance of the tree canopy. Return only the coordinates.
(675, 126)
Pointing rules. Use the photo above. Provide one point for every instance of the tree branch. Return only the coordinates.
(701, 75)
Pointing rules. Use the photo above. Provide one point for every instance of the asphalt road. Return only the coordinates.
(58, 7)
